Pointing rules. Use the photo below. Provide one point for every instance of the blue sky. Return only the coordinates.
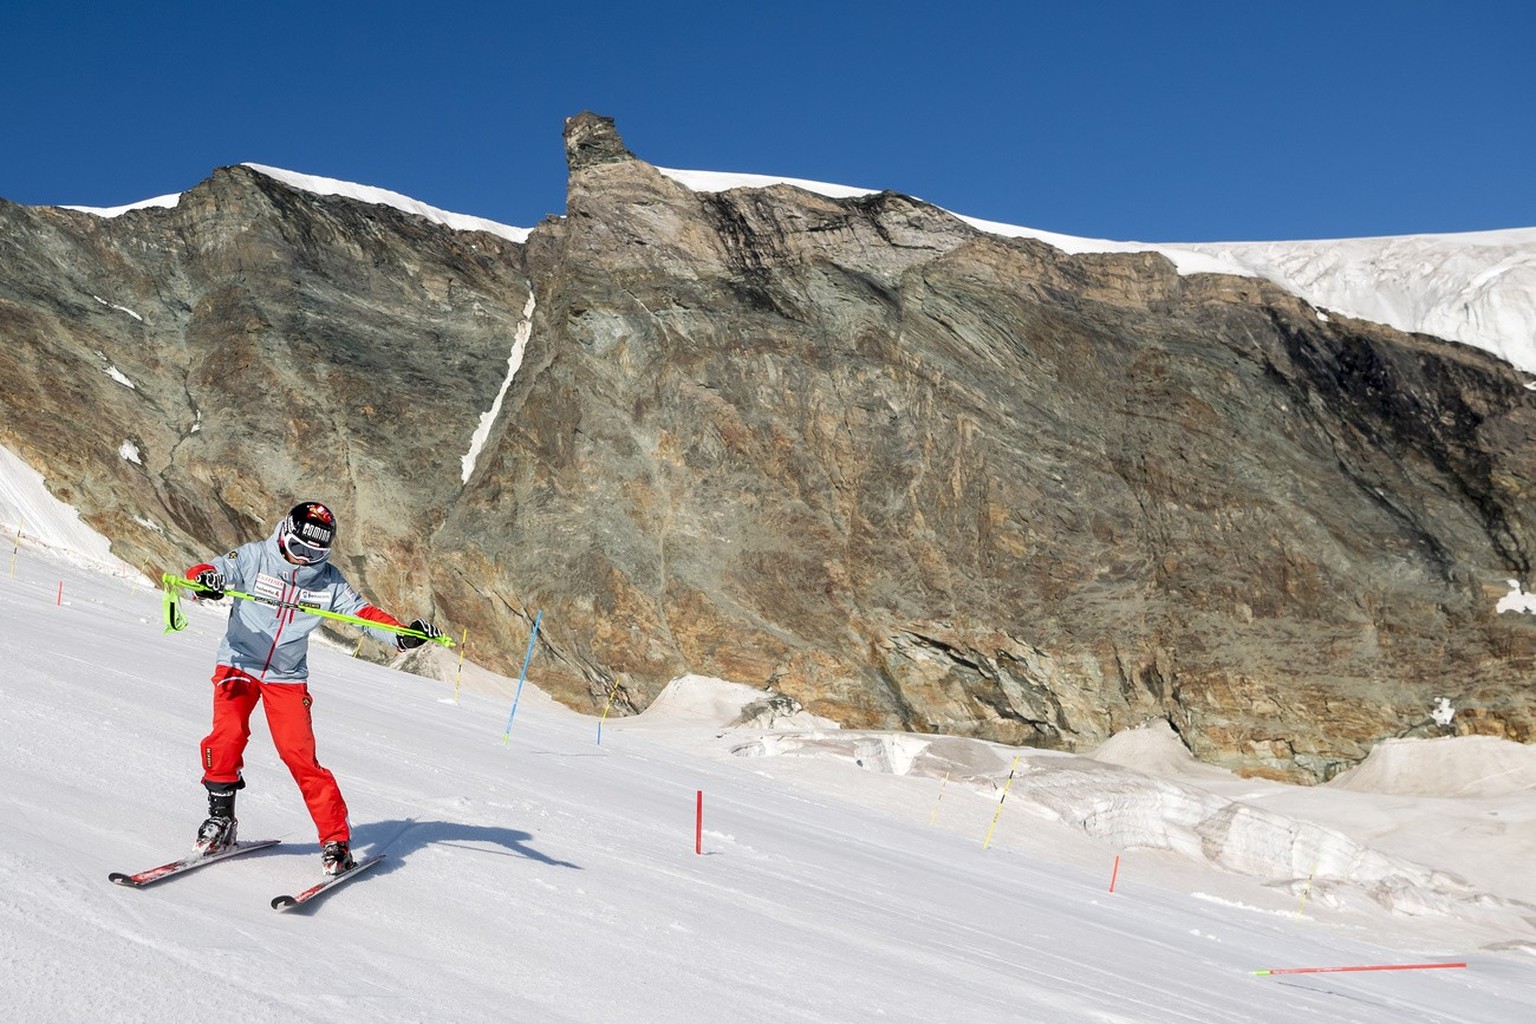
(1154, 121)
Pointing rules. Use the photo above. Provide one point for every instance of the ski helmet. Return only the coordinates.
(306, 535)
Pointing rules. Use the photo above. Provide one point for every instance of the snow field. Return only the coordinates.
(548, 878)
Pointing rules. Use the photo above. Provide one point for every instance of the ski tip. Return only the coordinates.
(118, 878)
(283, 902)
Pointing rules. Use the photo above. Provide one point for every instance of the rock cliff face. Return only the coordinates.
(910, 474)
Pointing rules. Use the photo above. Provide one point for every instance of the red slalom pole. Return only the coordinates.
(698, 825)
(1366, 967)
(1115, 873)
(60, 599)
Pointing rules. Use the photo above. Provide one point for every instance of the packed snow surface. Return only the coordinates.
(842, 874)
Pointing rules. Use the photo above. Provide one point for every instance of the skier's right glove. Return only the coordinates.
(422, 626)
(212, 581)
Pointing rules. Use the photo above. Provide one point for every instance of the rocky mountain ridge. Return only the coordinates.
(904, 471)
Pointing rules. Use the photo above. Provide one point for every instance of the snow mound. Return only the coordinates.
(1447, 766)
(1131, 810)
(1154, 748)
(717, 704)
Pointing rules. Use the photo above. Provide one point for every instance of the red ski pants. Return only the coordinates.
(235, 694)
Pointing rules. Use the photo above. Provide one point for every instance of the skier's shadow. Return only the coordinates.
(398, 839)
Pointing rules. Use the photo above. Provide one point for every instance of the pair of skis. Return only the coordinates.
(176, 867)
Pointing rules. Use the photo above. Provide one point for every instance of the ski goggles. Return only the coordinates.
(302, 551)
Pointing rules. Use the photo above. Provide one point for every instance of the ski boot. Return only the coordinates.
(218, 832)
(216, 835)
(336, 858)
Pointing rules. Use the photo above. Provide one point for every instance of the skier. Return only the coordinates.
(264, 657)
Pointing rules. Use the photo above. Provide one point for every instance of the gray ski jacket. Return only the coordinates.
(270, 643)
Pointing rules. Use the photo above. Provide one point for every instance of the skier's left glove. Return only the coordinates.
(429, 632)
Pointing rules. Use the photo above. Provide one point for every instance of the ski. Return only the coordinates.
(289, 902)
(189, 863)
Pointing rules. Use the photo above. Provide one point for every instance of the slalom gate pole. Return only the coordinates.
(459, 675)
(173, 582)
(521, 676)
(611, 694)
(1306, 891)
(935, 815)
(1006, 786)
(698, 824)
(14, 550)
(1363, 967)
(1114, 873)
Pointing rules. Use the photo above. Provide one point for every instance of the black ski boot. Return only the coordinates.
(336, 858)
(218, 832)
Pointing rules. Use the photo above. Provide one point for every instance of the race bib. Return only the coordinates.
(272, 588)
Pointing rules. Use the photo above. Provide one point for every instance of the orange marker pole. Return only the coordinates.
(698, 824)
(1114, 874)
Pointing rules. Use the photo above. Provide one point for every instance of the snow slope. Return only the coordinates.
(1478, 288)
(542, 876)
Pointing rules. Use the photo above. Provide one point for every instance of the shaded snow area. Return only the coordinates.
(843, 876)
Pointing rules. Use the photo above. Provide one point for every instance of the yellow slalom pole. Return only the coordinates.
(935, 815)
(14, 550)
(611, 694)
(1306, 891)
(1006, 786)
(460, 673)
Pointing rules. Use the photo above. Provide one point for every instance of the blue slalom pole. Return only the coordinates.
(522, 675)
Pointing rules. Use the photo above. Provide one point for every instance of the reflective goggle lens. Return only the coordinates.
(302, 551)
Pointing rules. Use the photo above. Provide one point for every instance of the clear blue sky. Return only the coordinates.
(1163, 120)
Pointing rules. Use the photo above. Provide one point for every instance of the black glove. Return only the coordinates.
(430, 632)
(212, 581)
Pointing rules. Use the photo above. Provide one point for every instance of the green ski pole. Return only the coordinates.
(176, 620)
